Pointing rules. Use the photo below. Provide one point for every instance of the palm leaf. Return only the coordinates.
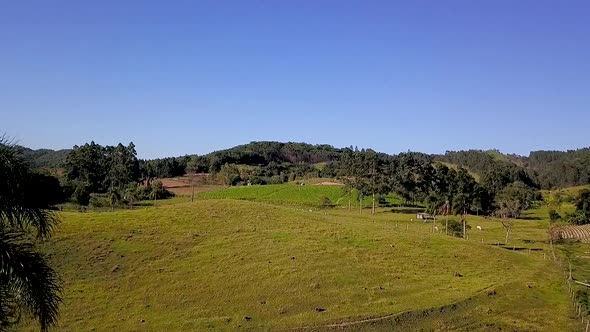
(26, 282)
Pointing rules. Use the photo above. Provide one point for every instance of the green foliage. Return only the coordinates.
(230, 174)
(583, 201)
(157, 191)
(169, 167)
(560, 169)
(582, 214)
(578, 218)
(27, 284)
(495, 169)
(326, 202)
(455, 228)
(515, 198)
(553, 215)
(92, 168)
(43, 158)
(98, 201)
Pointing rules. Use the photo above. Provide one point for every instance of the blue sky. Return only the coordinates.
(183, 77)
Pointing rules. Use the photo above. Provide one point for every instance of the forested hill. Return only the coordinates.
(267, 152)
(44, 158)
(559, 168)
(545, 169)
(490, 164)
(542, 169)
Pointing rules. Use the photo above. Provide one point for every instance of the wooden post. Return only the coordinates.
(587, 325)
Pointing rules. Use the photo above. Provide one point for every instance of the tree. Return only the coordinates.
(230, 174)
(27, 283)
(582, 214)
(433, 204)
(92, 168)
(85, 167)
(131, 195)
(583, 201)
(446, 210)
(156, 192)
(461, 204)
(122, 167)
(507, 210)
(191, 168)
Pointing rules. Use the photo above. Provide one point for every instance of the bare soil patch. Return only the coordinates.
(329, 183)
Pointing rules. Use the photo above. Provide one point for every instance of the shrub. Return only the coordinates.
(98, 201)
(578, 218)
(553, 215)
(455, 228)
(325, 202)
(275, 179)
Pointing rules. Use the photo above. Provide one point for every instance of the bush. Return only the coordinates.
(143, 193)
(275, 179)
(81, 194)
(455, 228)
(553, 215)
(325, 202)
(254, 180)
(578, 218)
(98, 201)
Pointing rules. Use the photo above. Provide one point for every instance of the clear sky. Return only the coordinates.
(183, 77)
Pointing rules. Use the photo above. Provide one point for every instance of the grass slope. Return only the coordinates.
(207, 265)
(291, 194)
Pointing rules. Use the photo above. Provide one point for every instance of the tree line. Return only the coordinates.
(108, 176)
(541, 169)
(104, 175)
(415, 177)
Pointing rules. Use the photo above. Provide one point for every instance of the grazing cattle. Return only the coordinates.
(479, 228)
(436, 228)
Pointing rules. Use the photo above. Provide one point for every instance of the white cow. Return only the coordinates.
(479, 228)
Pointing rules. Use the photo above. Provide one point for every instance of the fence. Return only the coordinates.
(581, 310)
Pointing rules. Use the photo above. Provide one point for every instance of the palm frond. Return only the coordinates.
(26, 281)
(19, 208)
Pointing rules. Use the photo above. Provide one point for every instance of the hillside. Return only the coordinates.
(559, 169)
(44, 158)
(542, 169)
(313, 195)
(545, 169)
(239, 265)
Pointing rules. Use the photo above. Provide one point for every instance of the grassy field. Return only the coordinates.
(225, 264)
(292, 194)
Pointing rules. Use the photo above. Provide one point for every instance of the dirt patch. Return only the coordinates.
(175, 182)
(329, 183)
